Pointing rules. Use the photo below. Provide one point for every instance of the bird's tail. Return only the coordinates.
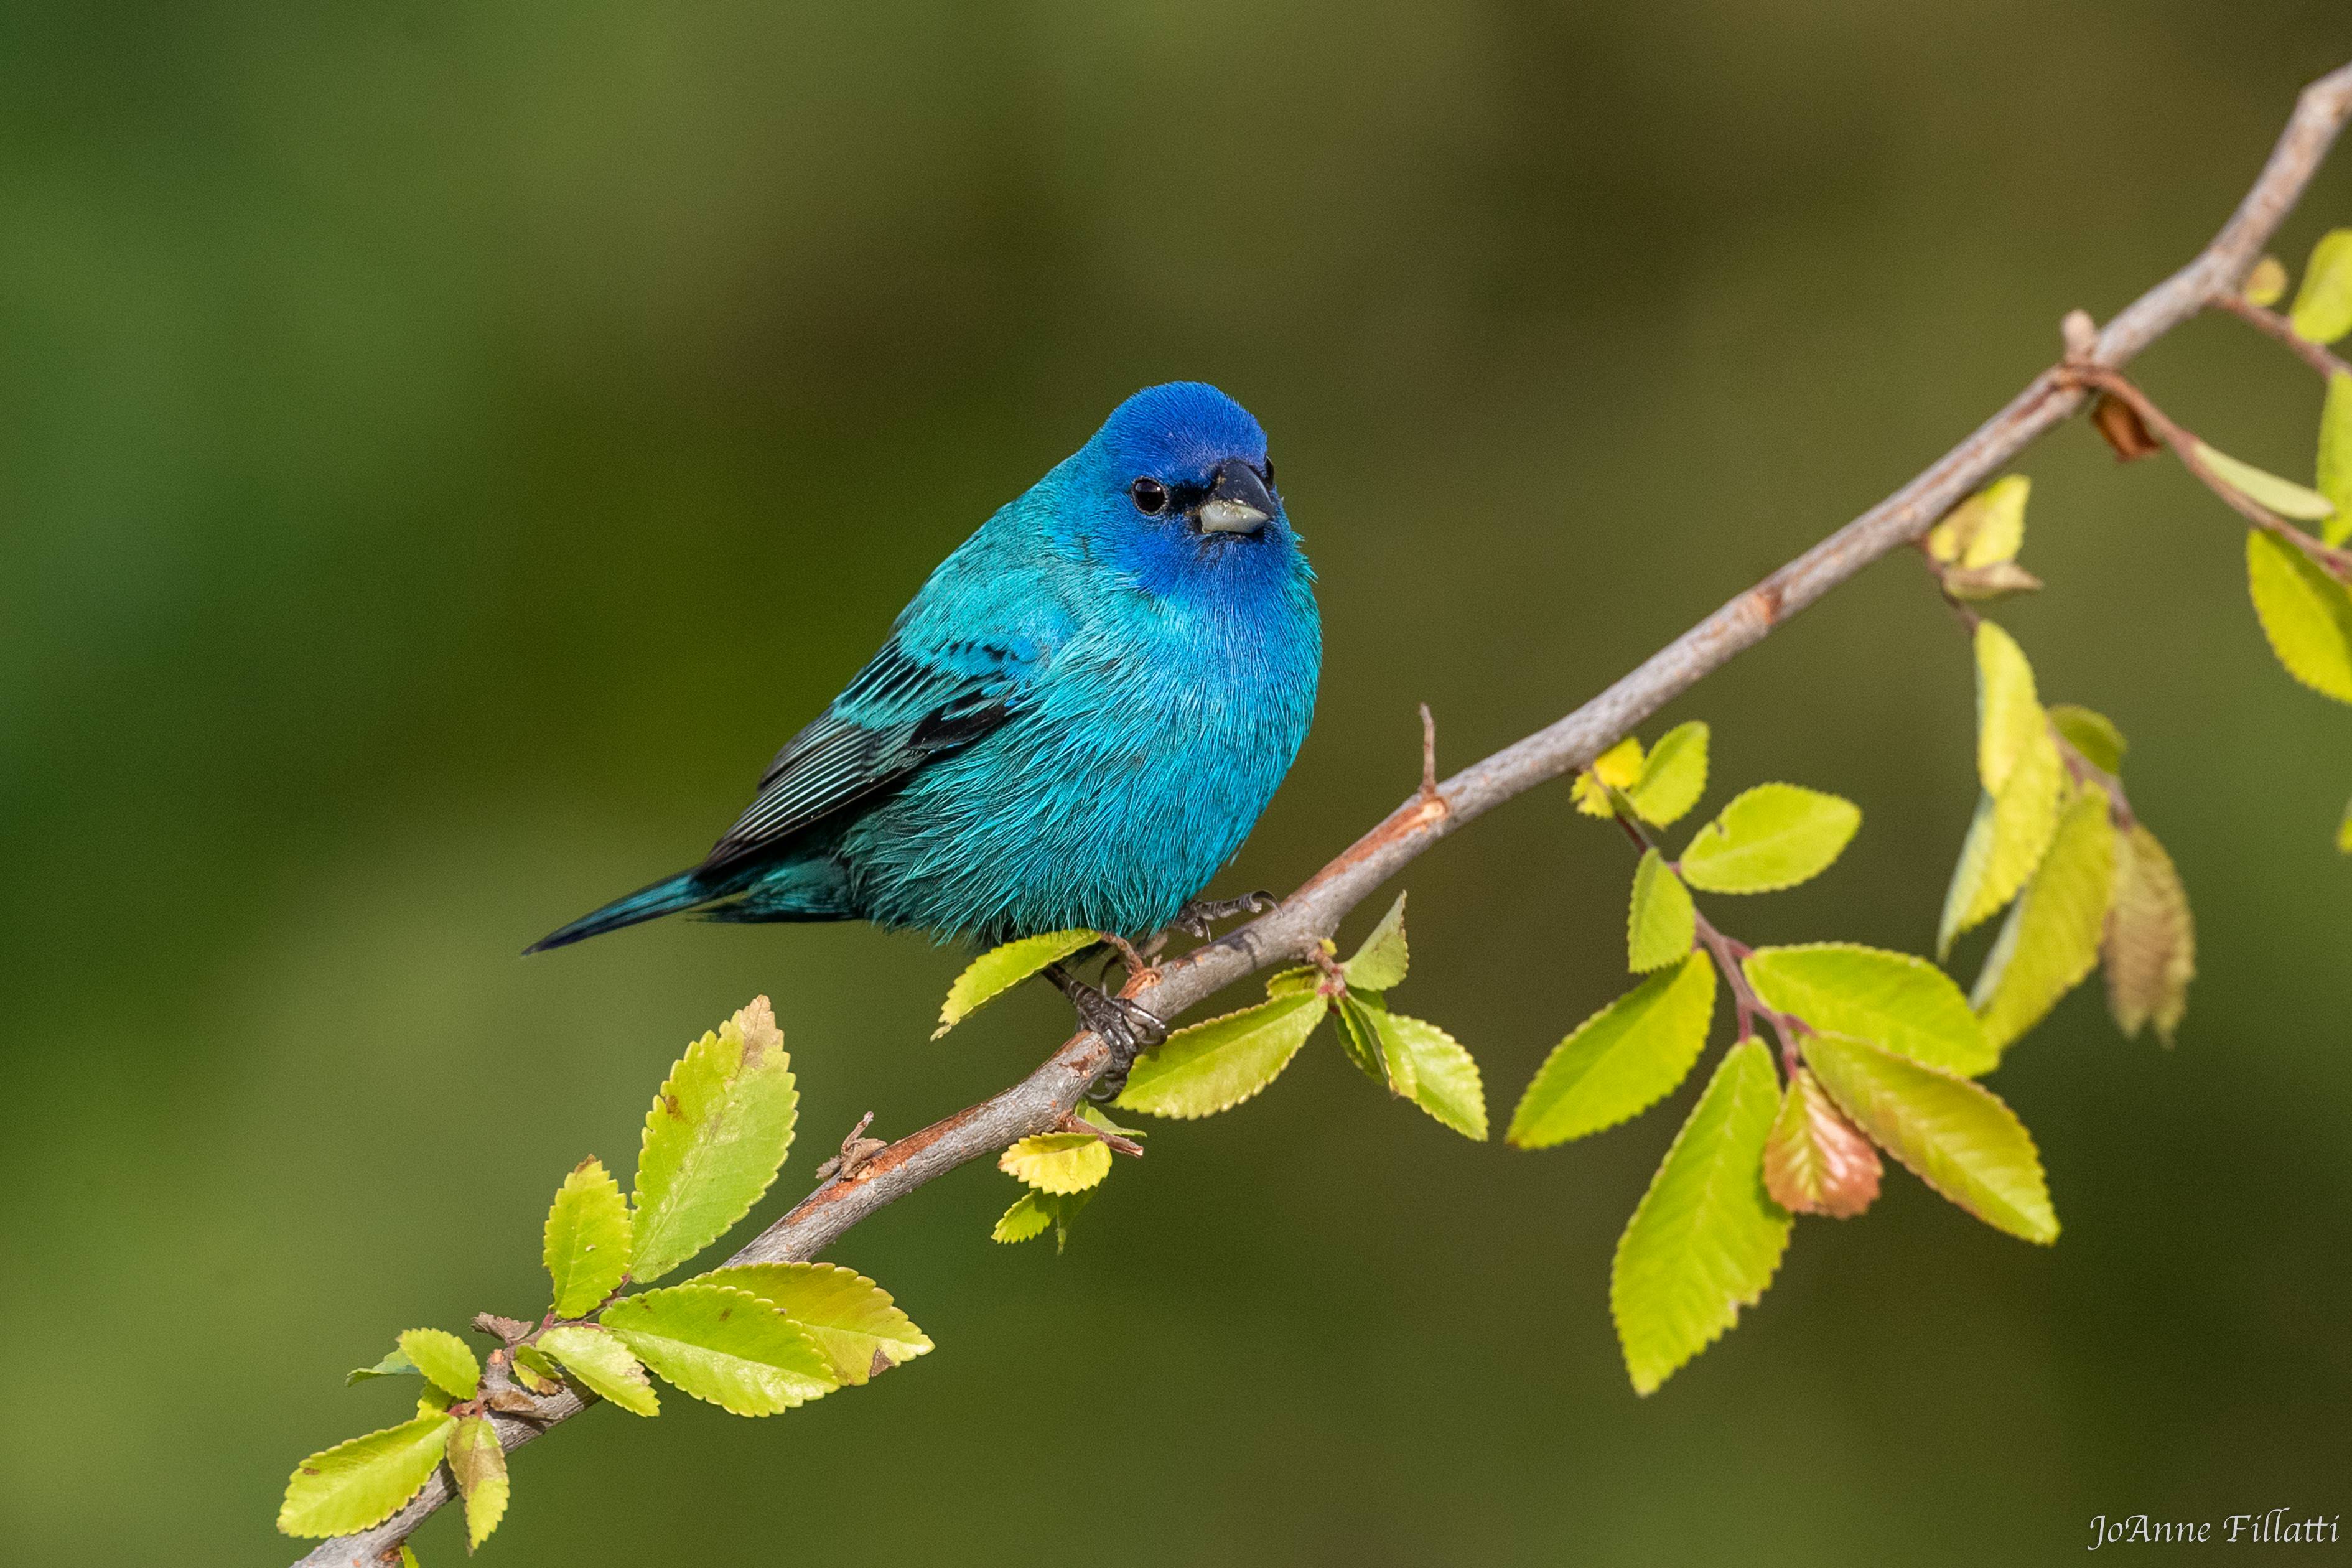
(665, 897)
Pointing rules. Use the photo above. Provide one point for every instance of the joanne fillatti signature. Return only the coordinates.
(2276, 1528)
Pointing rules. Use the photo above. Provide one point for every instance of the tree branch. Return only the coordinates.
(1039, 1102)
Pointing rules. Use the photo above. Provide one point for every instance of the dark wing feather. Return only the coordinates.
(903, 710)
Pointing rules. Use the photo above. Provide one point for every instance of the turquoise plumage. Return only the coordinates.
(1077, 721)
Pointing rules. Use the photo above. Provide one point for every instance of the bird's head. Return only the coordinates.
(1177, 484)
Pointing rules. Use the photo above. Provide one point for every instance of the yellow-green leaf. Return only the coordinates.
(1986, 530)
(1360, 1037)
(1673, 775)
(586, 1245)
(2006, 840)
(395, 1364)
(1380, 963)
(2344, 831)
(2093, 735)
(1615, 768)
(1955, 1135)
(1817, 1162)
(2264, 489)
(362, 1483)
(1774, 835)
(2150, 946)
(2266, 284)
(724, 1346)
(1706, 1238)
(1000, 969)
(2335, 465)
(446, 1362)
(2009, 722)
(714, 1140)
(479, 1465)
(407, 1555)
(1661, 925)
(1891, 999)
(1215, 1066)
(2052, 939)
(2306, 614)
(1294, 982)
(1033, 1212)
(1430, 1067)
(2323, 306)
(862, 1331)
(1621, 1060)
(604, 1365)
(536, 1370)
(1057, 1161)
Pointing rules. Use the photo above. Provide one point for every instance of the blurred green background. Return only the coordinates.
(444, 448)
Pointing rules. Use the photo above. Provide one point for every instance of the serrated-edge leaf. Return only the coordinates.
(358, 1484)
(1661, 923)
(1817, 1162)
(1443, 1074)
(1000, 969)
(1057, 1161)
(1621, 1060)
(1297, 980)
(598, 1360)
(1216, 1065)
(2334, 464)
(1383, 961)
(2093, 735)
(536, 1370)
(1891, 999)
(2264, 489)
(2149, 950)
(1772, 836)
(1986, 530)
(2322, 311)
(2306, 614)
(717, 1135)
(1033, 1213)
(585, 1243)
(1955, 1135)
(446, 1360)
(724, 1346)
(2053, 943)
(479, 1465)
(2006, 840)
(1706, 1238)
(1673, 775)
(1360, 1037)
(853, 1319)
(2010, 719)
(1615, 768)
(395, 1364)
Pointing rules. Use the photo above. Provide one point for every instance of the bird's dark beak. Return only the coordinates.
(1238, 503)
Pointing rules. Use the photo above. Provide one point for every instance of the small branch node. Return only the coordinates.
(2081, 336)
(856, 1151)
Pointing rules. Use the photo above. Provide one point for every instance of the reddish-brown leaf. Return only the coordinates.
(1816, 1162)
(2120, 423)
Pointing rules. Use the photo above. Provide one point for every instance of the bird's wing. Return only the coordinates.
(905, 709)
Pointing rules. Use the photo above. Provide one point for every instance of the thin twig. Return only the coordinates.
(2270, 323)
(1038, 1102)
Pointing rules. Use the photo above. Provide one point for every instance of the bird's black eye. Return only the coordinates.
(1268, 473)
(1150, 497)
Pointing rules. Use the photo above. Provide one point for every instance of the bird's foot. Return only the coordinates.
(1128, 1028)
(1199, 918)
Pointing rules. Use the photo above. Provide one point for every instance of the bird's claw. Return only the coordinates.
(1128, 1028)
(1198, 918)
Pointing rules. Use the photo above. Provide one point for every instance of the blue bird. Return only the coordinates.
(1075, 724)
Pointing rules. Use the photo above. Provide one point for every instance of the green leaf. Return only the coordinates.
(1000, 969)
(1672, 777)
(444, 1360)
(1816, 1162)
(1430, 1067)
(2150, 947)
(1954, 1135)
(586, 1246)
(1360, 1036)
(479, 1465)
(714, 1140)
(2323, 306)
(1057, 1161)
(1380, 963)
(407, 1555)
(2006, 840)
(1662, 925)
(2264, 489)
(1621, 1060)
(2335, 476)
(536, 1370)
(2344, 831)
(1294, 981)
(1616, 768)
(2051, 940)
(1774, 835)
(2306, 614)
(1215, 1066)
(2093, 735)
(604, 1364)
(1986, 530)
(861, 1330)
(1706, 1238)
(396, 1364)
(1032, 1212)
(359, 1484)
(1891, 999)
(2009, 721)
(2266, 283)
(724, 1346)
